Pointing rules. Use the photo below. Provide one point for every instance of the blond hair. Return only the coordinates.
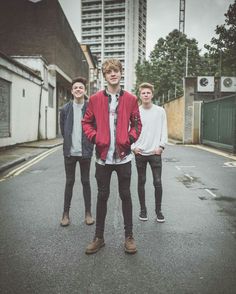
(146, 85)
(110, 64)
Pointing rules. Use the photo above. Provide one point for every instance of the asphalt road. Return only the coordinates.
(194, 251)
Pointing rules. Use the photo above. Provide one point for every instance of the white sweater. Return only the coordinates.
(154, 129)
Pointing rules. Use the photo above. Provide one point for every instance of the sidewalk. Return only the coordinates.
(11, 156)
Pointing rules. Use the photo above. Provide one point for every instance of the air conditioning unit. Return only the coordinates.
(228, 84)
(205, 84)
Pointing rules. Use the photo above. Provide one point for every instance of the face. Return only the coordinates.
(113, 77)
(146, 96)
(78, 91)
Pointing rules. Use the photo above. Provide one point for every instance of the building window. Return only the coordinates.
(5, 92)
(50, 96)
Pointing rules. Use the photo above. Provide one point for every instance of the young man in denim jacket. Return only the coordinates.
(76, 148)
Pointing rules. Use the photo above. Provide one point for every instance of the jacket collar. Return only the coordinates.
(120, 93)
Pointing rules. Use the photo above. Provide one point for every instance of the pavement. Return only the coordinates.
(13, 155)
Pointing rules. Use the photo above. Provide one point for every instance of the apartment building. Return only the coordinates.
(116, 29)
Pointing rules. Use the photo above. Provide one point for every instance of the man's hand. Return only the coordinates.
(158, 151)
(137, 151)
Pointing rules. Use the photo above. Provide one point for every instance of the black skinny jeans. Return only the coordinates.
(70, 168)
(103, 177)
(156, 167)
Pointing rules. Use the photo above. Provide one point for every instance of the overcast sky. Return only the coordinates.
(201, 18)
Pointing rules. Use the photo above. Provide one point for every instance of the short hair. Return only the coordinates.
(79, 80)
(146, 85)
(111, 63)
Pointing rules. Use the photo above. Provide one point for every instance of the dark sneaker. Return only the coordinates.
(160, 217)
(143, 215)
(130, 246)
(88, 219)
(93, 247)
(65, 220)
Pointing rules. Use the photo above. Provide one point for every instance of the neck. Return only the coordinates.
(79, 100)
(113, 89)
(147, 106)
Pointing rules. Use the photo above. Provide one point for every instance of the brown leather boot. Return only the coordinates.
(130, 246)
(65, 219)
(88, 219)
(94, 246)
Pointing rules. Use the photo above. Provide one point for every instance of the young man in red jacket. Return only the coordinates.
(112, 122)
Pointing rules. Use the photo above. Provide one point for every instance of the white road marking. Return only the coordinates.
(178, 167)
(188, 176)
(209, 191)
(17, 171)
(230, 164)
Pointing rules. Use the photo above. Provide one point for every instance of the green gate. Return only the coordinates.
(219, 123)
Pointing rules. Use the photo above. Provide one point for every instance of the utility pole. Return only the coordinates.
(181, 16)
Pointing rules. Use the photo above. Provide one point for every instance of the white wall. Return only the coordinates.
(24, 104)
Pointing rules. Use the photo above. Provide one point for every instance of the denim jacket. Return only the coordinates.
(66, 125)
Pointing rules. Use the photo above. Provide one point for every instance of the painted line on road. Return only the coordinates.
(178, 167)
(230, 164)
(188, 176)
(25, 166)
(212, 150)
(209, 191)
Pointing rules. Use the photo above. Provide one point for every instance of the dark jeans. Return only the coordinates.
(70, 168)
(103, 177)
(156, 167)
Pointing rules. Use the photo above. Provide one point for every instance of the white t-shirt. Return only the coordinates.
(154, 129)
(76, 147)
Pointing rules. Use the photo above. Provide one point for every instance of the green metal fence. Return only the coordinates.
(218, 124)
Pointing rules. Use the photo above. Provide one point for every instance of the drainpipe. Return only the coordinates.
(39, 114)
(46, 122)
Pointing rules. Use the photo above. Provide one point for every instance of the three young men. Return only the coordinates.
(118, 125)
(76, 148)
(149, 147)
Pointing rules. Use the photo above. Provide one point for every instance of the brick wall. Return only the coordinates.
(174, 112)
(41, 28)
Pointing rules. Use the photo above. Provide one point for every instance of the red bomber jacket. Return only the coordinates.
(96, 123)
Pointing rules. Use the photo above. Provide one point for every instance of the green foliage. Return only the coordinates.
(221, 55)
(167, 65)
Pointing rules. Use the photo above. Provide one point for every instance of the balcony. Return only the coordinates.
(92, 33)
(114, 23)
(114, 40)
(115, 6)
(92, 16)
(114, 32)
(91, 1)
(92, 8)
(114, 49)
(114, 15)
(93, 24)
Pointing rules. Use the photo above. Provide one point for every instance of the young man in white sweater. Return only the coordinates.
(149, 147)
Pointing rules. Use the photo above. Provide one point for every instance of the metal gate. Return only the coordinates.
(219, 123)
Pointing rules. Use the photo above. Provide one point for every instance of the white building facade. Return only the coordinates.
(116, 29)
(28, 101)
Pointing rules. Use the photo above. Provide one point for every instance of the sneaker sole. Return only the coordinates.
(143, 219)
(160, 220)
(94, 251)
(89, 223)
(65, 225)
(130, 251)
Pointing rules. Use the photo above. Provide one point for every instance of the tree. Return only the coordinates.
(167, 65)
(222, 51)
